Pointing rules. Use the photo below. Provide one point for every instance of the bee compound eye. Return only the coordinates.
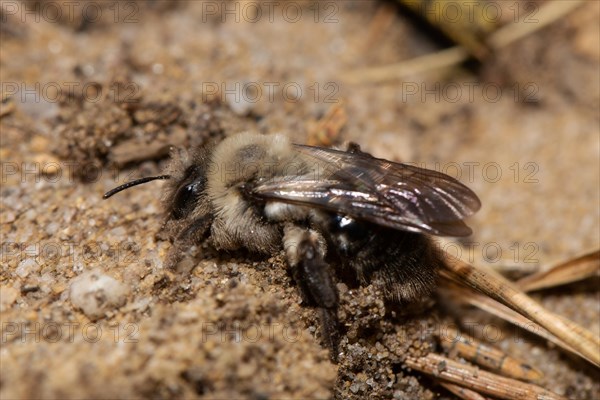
(185, 199)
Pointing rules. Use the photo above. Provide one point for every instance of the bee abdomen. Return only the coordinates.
(403, 263)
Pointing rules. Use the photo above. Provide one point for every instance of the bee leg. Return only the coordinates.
(314, 279)
(195, 231)
(305, 251)
(354, 148)
(191, 233)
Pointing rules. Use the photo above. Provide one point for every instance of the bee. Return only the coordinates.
(331, 211)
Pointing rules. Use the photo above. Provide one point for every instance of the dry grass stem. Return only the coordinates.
(567, 272)
(548, 13)
(515, 271)
(475, 379)
(441, 59)
(461, 392)
(503, 36)
(487, 356)
(497, 287)
(463, 294)
(500, 310)
(469, 28)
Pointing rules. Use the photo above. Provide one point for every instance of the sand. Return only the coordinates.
(89, 308)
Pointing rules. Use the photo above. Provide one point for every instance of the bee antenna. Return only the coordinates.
(133, 183)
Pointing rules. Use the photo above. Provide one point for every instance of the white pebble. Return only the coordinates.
(31, 214)
(244, 101)
(9, 296)
(52, 228)
(26, 267)
(69, 214)
(95, 294)
(117, 233)
(158, 68)
(9, 217)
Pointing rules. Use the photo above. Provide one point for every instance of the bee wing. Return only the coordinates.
(390, 194)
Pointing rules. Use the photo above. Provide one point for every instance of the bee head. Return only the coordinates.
(185, 195)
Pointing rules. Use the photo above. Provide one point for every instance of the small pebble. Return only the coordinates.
(9, 296)
(96, 294)
(26, 267)
(8, 217)
(52, 228)
(117, 233)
